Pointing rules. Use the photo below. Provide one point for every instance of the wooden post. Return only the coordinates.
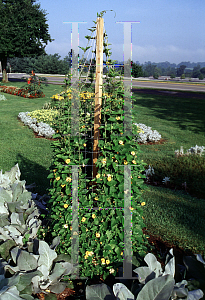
(98, 90)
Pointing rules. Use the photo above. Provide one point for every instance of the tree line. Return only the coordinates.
(53, 64)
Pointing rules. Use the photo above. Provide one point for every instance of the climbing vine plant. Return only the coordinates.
(101, 231)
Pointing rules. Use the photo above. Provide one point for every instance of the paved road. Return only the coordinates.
(180, 86)
(169, 86)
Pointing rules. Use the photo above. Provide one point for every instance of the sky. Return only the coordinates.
(171, 31)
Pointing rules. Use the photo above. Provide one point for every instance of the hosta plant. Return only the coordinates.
(18, 213)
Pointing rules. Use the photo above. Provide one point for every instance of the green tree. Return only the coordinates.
(196, 71)
(136, 70)
(23, 30)
(202, 70)
(180, 70)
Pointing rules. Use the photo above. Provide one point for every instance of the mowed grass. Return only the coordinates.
(174, 215)
(18, 143)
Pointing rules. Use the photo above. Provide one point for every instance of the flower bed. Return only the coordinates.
(42, 129)
(19, 92)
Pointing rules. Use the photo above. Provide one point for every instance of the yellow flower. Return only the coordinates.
(133, 153)
(68, 179)
(54, 170)
(98, 175)
(117, 118)
(84, 145)
(125, 162)
(121, 142)
(70, 227)
(93, 216)
(83, 219)
(83, 126)
(65, 225)
(58, 178)
(97, 234)
(103, 261)
(62, 185)
(65, 205)
(86, 229)
(101, 243)
(134, 162)
(107, 261)
(104, 160)
(109, 178)
(96, 198)
(143, 203)
(67, 161)
(121, 253)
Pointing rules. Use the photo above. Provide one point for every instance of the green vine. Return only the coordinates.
(101, 232)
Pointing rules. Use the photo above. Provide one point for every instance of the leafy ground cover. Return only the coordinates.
(180, 121)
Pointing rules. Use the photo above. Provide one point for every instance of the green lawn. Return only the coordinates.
(18, 143)
(172, 214)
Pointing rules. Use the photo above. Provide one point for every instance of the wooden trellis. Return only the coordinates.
(98, 90)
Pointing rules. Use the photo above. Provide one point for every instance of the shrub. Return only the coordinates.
(201, 77)
(97, 256)
(183, 76)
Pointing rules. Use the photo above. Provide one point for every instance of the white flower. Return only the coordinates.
(165, 180)
(149, 171)
(147, 134)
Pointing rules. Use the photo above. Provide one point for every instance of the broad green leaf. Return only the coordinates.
(4, 196)
(159, 288)
(99, 291)
(57, 288)
(47, 255)
(153, 264)
(143, 273)
(25, 280)
(11, 294)
(27, 297)
(122, 292)
(5, 248)
(15, 218)
(26, 261)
